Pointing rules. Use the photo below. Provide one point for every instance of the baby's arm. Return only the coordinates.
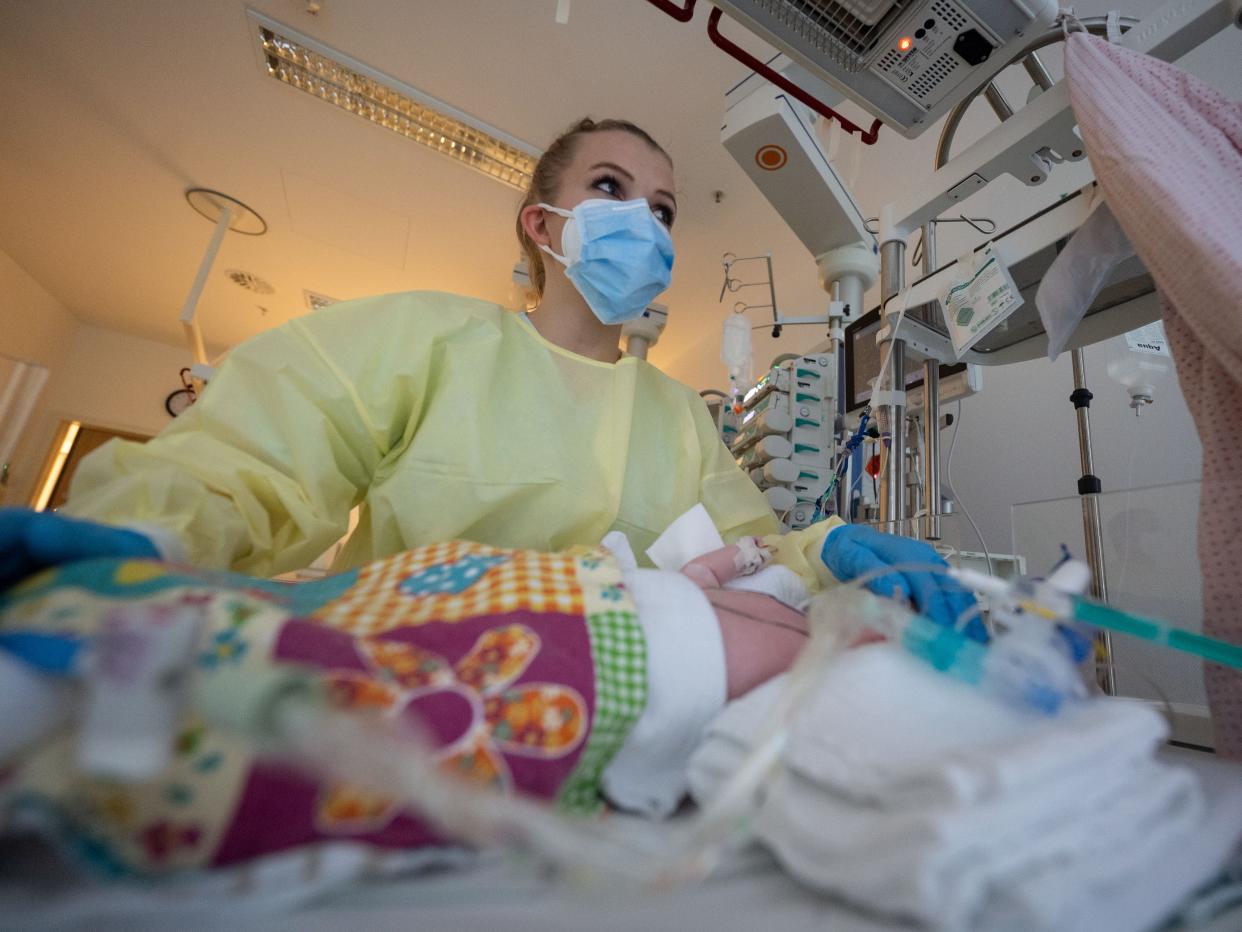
(762, 636)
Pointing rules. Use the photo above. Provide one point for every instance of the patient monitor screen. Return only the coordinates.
(862, 362)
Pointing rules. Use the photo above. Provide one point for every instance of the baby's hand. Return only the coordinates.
(712, 570)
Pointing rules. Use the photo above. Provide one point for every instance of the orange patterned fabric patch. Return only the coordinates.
(498, 657)
(347, 809)
(532, 720)
(406, 665)
(478, 761)
(538, 720)
(523, 581)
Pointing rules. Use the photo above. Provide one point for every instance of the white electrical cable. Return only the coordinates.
(948, 479)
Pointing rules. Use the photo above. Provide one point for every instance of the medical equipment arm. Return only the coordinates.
(260, 474)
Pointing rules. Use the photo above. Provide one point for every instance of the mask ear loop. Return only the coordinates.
(559, 258)
(561, 212)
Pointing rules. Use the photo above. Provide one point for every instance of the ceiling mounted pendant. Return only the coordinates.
(227, 213)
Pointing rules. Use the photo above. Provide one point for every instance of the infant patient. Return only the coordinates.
(758, 606)
(761, 634)
(576, 677)
(717, 621)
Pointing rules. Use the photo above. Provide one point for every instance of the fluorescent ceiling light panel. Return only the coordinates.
(310, 66)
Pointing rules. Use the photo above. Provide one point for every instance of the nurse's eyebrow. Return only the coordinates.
(621, 171)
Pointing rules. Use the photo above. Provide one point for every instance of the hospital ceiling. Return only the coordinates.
(111, 110)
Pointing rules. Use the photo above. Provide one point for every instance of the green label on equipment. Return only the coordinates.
(975, 306)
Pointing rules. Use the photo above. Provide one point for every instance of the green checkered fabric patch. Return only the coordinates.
(619, 652)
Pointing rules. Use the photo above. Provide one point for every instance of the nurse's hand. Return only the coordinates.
(854, 550)
(31, 541)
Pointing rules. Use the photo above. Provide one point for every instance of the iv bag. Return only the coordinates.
(1138, 374)
(735, 349)
(1133, 370)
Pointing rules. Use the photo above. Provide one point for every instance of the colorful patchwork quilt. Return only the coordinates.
(527, 669)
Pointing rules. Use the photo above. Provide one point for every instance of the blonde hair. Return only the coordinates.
(546, 181)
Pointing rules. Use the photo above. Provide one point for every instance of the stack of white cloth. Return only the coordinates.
(912, 795)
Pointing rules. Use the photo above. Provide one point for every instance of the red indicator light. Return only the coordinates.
(904, 44)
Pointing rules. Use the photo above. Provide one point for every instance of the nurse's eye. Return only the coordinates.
(608, 184)
(663, 214)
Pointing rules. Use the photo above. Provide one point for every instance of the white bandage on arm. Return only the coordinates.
(686, 688)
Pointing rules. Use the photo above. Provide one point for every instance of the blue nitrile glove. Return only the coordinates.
(853, 550)
(31, 541)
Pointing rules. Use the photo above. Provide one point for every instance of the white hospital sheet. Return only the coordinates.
(750, 893)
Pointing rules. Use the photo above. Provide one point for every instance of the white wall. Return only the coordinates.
(34, 327)
(100, 377)
(116, 380)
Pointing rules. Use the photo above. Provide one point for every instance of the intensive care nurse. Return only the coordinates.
(446, 417)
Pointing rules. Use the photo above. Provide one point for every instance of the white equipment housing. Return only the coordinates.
(771, 136)
(906, 61)
(1018, 148)
(1026, 146)
(954, 387)
(642, 333)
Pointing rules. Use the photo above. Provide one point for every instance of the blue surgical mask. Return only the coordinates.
(617, 254)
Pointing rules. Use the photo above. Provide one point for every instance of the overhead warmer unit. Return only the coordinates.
(907, 62)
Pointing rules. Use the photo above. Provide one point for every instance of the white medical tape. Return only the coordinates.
(751, 555)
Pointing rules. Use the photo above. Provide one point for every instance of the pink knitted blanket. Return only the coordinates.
(1167, 151)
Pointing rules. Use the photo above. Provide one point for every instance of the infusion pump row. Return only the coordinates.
(783, 436)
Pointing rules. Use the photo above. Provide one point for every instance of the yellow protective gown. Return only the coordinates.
(444, 418)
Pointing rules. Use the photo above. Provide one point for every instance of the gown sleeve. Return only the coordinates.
(259, 475)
